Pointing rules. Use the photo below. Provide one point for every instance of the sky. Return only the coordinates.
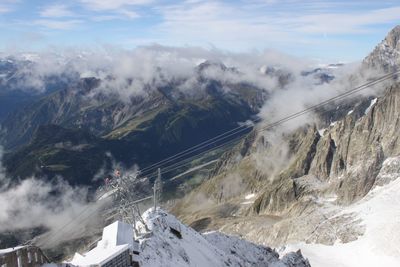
(318, 29)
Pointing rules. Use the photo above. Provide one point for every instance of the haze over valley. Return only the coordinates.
(275, 144)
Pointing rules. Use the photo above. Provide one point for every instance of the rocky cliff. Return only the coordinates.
(386, 55)
(313, 170)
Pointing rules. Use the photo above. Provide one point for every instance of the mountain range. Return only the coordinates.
(301, 184)
(67, 132)
(313, 184)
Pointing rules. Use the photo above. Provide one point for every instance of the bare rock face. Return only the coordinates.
(363, 148)
(305, 151)
(276, 197)
(386, 55)
(343, 163)
(322, 163)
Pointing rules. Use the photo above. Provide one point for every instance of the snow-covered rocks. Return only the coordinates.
(373, 102)
(175, 244)
(162, 240)
(379, 213)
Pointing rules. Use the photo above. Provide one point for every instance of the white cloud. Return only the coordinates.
(344, 23)
(268, 23)
(7, 6)
(129, 14)
(113, 4)
(4, 9)
(116, 9)
(58, 24)
(117, 15)
(56, 11)
(101, 18)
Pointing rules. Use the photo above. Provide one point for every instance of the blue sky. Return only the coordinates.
(318, 29)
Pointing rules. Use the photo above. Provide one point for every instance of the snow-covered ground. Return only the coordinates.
(162, 240)
(165, 247)
(379, 246)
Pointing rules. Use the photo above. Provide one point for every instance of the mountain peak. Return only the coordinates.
(393, 38)
(211, 63)
(386, 55)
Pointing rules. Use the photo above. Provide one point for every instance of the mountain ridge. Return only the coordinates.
(295, 178)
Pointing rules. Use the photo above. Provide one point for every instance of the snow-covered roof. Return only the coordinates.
(117, 238)
(98, 255)
(115, 234)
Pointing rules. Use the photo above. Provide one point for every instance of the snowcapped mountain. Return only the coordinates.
(164, 241)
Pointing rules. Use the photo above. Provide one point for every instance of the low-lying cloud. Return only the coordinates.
(134, 72)
(36, 203)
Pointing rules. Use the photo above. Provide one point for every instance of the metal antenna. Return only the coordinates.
(124, 188)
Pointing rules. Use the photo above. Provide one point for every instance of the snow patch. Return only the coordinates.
(373, 102)
(249, 196)
(332, 198)
(379, 246)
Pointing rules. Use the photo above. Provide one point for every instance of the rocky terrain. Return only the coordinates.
(279, 188)
(283, 185)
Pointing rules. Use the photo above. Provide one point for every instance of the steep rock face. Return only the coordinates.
(303, 149)
(362, 147)
(235, 155)
(276, 198)
(323, 171)
(386, 55)
(347, 158)
(282, 190)
(322, 162)
(343, 162)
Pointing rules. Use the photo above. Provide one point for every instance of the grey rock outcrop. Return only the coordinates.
(386, 55)
(338, 166)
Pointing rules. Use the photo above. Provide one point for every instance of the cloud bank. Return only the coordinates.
(130, 72)
(35, 203)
